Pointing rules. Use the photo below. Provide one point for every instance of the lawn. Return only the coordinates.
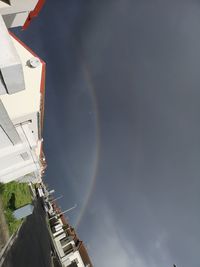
(14, 195)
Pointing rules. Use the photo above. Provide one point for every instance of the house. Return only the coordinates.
(70, 249)
(22, 87)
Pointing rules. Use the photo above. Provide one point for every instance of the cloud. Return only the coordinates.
(144, 61)
(110, 246)
(108, 249)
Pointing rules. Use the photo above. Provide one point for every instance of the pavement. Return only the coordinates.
(33, 246)
(4, 231)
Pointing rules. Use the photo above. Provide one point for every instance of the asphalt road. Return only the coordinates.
(33, 245)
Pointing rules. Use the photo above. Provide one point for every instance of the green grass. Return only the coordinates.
(14, 195)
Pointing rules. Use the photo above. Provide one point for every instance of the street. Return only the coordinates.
(33, 245)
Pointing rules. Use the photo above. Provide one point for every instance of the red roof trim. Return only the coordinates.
(33, 13)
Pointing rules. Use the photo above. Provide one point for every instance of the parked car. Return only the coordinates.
(40, 192)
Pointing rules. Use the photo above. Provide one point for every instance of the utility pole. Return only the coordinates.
(63, 212)
(56, 198)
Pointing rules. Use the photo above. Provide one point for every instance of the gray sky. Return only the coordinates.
(122, 125)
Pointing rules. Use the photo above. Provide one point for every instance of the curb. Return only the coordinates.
(8, 246)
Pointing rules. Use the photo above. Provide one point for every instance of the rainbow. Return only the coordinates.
(91, 186)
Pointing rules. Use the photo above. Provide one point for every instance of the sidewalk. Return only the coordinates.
(32, 190)
(55, 258)
(4, 231)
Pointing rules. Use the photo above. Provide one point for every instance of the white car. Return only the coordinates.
(40, 192)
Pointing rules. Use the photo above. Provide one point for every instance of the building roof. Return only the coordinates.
(33, 13)
(84, 255)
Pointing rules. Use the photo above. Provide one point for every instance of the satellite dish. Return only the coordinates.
(34, 62)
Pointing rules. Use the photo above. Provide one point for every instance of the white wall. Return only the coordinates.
(17, 12)
(20, 125)
(11, 72)
(17, 6)
(71, 257)
(21, 159)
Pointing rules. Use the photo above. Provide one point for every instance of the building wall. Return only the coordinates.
(73, 257)
(26, 101)
(65, 246)
(67, 250)
(16, 6)
(20, 125)
(13, 13)
(18, 160)
(11, 73)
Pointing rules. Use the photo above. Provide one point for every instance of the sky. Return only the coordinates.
(122, 127)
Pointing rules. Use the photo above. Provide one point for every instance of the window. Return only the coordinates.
(64, 241)
(76, 261)
(73, 264)
(68, 249)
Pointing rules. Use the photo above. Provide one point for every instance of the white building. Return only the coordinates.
(22, 78)
(70, 250)
(13, 13)
(69, 253)
(19, 12)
